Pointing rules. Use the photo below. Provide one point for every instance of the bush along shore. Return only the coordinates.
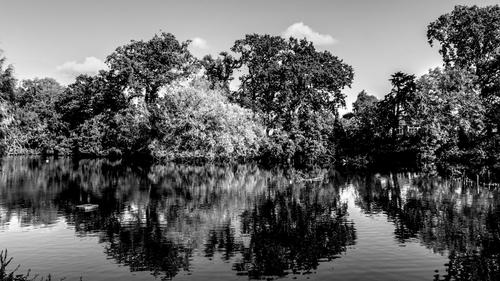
(270, 99)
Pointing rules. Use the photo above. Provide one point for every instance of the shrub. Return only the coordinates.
(199, 123)
(121, 134)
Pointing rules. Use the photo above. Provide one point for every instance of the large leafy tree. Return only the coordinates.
(296, 89)
(469, 38)
(101, 119)
(146, 66)
(287, 77)
(89, 96)
(451, 116)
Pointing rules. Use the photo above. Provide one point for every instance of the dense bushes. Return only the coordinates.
(119, 134)
(200, 123)
(308, 140)
(35, 126)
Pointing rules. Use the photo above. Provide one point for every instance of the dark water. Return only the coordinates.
(196, 223)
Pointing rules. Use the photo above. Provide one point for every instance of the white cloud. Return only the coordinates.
(299, 30)
(199, 43)
(91, 66)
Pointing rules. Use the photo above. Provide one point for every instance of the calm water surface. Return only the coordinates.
(199, 222)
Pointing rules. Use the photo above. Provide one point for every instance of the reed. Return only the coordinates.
(7, 275)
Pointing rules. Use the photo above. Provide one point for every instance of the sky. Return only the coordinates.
(62, 38)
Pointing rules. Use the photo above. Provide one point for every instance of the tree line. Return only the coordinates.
(447, 119)
(159, 101)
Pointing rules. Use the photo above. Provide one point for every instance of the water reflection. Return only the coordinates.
(156, 219)
(292, 231)
(444, 215)
(265, 224)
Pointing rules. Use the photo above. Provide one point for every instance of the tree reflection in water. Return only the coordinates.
(155, 219)
(265, 223)
(292, 231)
(446, 216)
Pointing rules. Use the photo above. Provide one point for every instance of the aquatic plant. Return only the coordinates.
(12, 275)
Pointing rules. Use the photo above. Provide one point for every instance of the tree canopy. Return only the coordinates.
(297, 91)
(219, 71)
(146, 66)
(363, 102)
(469, 36)
(451, 116)
(288, 76)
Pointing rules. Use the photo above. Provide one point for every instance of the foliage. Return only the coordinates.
(451, 116)
(142, 68)
(75, 106)
(89, 96)
(3, 127)
(35, 125)
(7, 88)
(364, 102)
(371, 133)
(101, 118)
(219, 71)
(124, 133)
(445, 108)
(297, 91)
(200, 123)
(469, 38)
(359, 133)
(157, 100)
(288, 77)
(397, 106)
(7, 80)
(309, 140)
(146, 66)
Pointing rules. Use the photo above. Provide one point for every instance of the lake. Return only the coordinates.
(185, 222)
